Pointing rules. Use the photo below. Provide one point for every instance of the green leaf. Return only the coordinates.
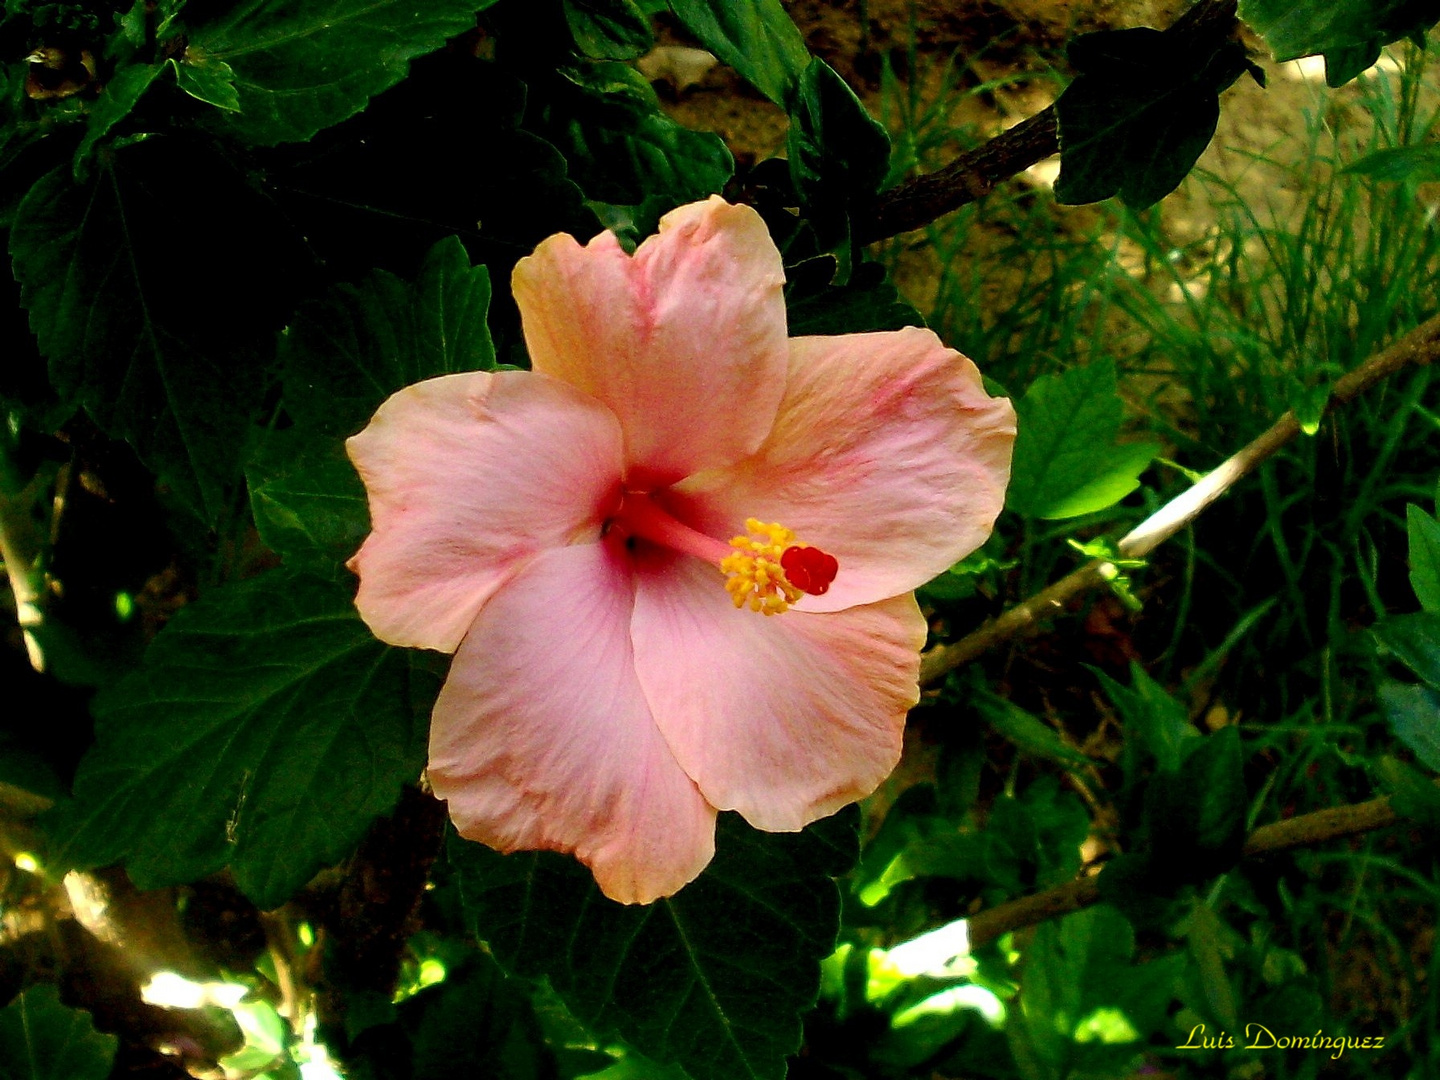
(714, 978)
(868, 301)
(1034, 841)
(1344, 64)
(115, 102)
(265, 1037)
(1084, 1008)
(305, 65)
(1415, 642)
(1204, 938)
(1152, 717)
(355, 185)
(1424, 536)
(26, 770)
(609, 29)
(347, 352)
(1414, 715)
(1140, 112)
(1412, 795)
(1196, 817)
(476, 1023)
(206, 79)
(142, 292)
(755, 37)
(265, 731)
(623, 149)
(308, 502)
(1028, 733)
(1117, 474)
(1349, 32)
(1418, 164)
(1066, 461)
(130, 26)
(41, 1039)
(837, 151)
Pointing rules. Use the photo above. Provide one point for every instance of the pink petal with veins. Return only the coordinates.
(469, 476)
(685, 341)
(785, 719)
(542, 737)
(886, 453)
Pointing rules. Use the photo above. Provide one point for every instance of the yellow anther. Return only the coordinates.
(756, 579)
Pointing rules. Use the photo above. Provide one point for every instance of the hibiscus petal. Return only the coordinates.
(685, 341)
(542, 737)
(886, 452)
(469, 475)
(784, 718)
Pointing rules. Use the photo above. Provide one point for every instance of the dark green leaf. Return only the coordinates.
(632, 224)
(206, 79)
(477, 1023)
(1034, 841)
(308, 502)
(1424, 537)
(1139, 114)
(41, 1039)
(349, 351)
(623, 149)
(1196, 817)
(24, 126)
(755, 37)
(714, 978)
(142, 290)
(1028, 733)
(23, 768)
(1085, 1009)
(1349, 32)
(303, 66)
(1420, 163)
(1204, 937)
(1412, 795)
(1344, 64)
(382, 188)
(868, 301)
(265, 731)
(1152, 717)
(1414, 715)
(609, 29)
(837, 151)
(1212, 780)
(130, 26)
(1415, 642)
(120, 96)
(1067, 462)
(1143, 889)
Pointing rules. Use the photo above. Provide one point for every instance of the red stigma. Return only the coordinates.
(809, 569)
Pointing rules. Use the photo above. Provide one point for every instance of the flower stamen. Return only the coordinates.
(770, 570)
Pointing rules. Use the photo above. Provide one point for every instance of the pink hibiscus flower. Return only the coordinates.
(600, 541)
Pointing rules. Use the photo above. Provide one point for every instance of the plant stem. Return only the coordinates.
(20, 552)
(1419, 347)
(1303, 831)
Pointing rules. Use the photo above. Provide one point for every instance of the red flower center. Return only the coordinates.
(809, 569)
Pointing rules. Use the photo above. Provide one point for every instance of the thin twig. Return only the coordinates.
(1303, 831)
(1419, 347)
(975, 173)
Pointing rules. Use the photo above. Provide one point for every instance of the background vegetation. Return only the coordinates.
(1193, 798)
